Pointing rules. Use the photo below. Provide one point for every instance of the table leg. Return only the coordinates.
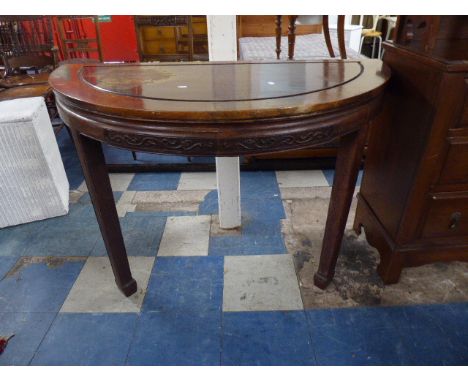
(99, 187)
(346, 171)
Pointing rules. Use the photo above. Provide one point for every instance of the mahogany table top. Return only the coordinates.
(219, 91)
(222, 109)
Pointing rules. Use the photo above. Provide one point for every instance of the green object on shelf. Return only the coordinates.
(105, 19)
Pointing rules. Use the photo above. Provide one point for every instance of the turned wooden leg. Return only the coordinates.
(278, 32)
(346, 172)
(97, 180)
(291, 36)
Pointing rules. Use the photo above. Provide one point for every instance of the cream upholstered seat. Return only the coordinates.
(310, 46)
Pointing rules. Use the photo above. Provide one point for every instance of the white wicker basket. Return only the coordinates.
(33, 183)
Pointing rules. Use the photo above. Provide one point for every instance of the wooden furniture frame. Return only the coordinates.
(26, 42)
(187, 109)
(73, 40)
(190, 39)
(413, 201)
(326, 33)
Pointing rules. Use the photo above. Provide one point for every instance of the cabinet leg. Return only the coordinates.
(390, 267)
(99, 187)
(346, 171)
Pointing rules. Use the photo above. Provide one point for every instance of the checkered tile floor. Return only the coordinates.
(205, 297)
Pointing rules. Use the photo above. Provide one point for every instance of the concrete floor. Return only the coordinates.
(356, 282)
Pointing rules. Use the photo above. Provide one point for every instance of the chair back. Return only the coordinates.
(25, 42)
(80, 37)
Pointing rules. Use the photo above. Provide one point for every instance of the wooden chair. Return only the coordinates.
(29, 55)
(26, 43)
(75, 42)
(326, 32)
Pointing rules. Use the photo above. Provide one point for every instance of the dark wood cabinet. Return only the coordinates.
(413, 202)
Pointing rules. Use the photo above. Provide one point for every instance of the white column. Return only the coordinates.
(222, 46)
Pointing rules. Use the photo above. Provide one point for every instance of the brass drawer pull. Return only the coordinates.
(454, 220)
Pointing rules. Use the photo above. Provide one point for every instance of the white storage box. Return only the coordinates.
(33, 183)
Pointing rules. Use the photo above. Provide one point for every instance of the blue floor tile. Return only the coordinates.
(209, 205)
(436, 334)
(74, 234)
(262, 210)
(345, 347)
(87, 339)
(330, 174)
(257, 237)
(142, 235)
(413, 335)
(115, 155)
(70, 159)
(29, 330)
(163, 181)
(75, 176)
(318, 318)
(260, 196)
(210, 160)
(175, 338)
(429, 346)
(122, 156)
(357, 336)
(6, 263)
(259, 184)
(15, 240)
(266, 338)
(261, 230)
(38, 287)
(373, 317)
(185, 284)
(344, 344)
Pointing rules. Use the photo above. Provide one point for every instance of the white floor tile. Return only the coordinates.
(197, 181)
(125, 204)
(119, 182)
(186, 236)
(95, 290)
(260, 283)
(302, 178)
(169, 200)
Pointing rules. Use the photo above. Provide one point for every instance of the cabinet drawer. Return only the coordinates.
(447, 215)
(455, 169)
(159, 47)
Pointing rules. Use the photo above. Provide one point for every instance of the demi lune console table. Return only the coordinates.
(219, 109)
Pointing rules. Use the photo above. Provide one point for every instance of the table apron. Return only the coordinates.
(230, 138)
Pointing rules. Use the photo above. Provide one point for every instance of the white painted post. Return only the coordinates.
(222, 46)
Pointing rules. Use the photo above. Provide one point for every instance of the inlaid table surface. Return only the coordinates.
(219, 109)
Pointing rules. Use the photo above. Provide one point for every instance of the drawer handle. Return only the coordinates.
(454, 220)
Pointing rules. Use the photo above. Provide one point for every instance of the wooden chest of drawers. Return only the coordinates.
(413, 202)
